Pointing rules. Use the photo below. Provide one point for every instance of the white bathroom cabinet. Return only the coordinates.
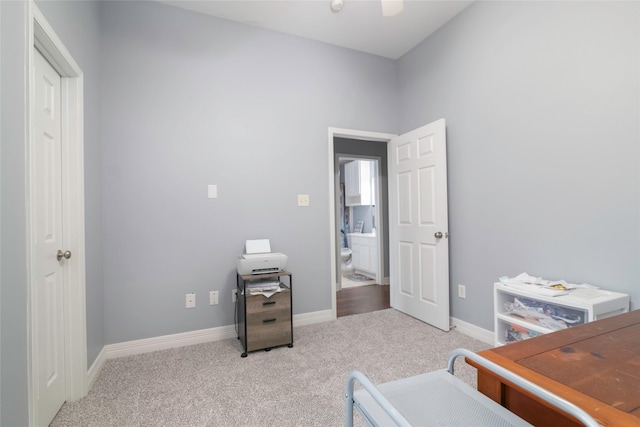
(515, 323)
(364, 253)
(358, 183)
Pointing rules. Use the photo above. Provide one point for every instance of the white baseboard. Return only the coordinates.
(313, 317)
(147, 345)
(96, 367)
(473, 331)
(165, 342)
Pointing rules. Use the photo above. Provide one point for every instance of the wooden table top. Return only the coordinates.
(595, 365)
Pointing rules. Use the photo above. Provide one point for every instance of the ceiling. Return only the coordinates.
(360, 25)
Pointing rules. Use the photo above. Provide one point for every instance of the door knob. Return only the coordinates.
(65, 255)
(438, 235)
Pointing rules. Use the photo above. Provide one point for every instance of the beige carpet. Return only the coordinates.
(211, 385)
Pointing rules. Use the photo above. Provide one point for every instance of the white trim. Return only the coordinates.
(96, 367)
(313, 317)
(51, 47)
(42, 36)
(351, 134)
(360, 134)
(147, 345)
(484, 335)
(165, 342)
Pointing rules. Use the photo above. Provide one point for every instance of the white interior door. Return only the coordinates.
(418, 221)
(48, 328)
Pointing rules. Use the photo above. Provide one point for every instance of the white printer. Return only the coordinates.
(259, 259)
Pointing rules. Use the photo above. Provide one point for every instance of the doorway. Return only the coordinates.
(358, 145)
(359, 204)
(419, 269)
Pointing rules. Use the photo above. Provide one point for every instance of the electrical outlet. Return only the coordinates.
(191, 300)
(213, 297)
(234, 295)
(303, 200)
(462, 291)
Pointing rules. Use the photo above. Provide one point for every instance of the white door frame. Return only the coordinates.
(42, 36)
(351, 134)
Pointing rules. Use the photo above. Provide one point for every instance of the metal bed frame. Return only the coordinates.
(439, 398)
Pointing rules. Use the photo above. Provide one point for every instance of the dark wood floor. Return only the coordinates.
(362, 299)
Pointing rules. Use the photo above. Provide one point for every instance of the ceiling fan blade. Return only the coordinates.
(391, 7)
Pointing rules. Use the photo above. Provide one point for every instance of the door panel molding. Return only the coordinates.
(42, 37)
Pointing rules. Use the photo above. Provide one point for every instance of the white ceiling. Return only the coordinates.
(360, 25)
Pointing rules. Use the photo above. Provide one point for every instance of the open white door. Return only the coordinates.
(418, 224)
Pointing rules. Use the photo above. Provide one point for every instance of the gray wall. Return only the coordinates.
(541, 102)
(13, 274)
(192, 100)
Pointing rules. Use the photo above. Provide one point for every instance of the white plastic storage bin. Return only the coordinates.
(522, 315)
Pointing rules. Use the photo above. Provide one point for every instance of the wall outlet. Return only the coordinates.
(191, 300)
(213, 297)
(303, 200)
(462, 291)
(234, 295)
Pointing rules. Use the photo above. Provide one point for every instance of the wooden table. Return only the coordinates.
(595, 366)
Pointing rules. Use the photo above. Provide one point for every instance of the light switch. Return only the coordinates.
(303, 200)
(213, 191)
(191, 301)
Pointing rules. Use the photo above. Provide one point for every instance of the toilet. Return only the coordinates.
(345, 254)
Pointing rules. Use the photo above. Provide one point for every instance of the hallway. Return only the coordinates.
(362, 299)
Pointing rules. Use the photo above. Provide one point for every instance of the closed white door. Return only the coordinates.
(418, 224)
(48, 328)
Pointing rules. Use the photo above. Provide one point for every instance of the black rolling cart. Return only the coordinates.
(264, 323)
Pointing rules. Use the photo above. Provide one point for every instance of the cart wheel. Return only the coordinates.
(243, 355)
(290, 345)
(267, 349)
